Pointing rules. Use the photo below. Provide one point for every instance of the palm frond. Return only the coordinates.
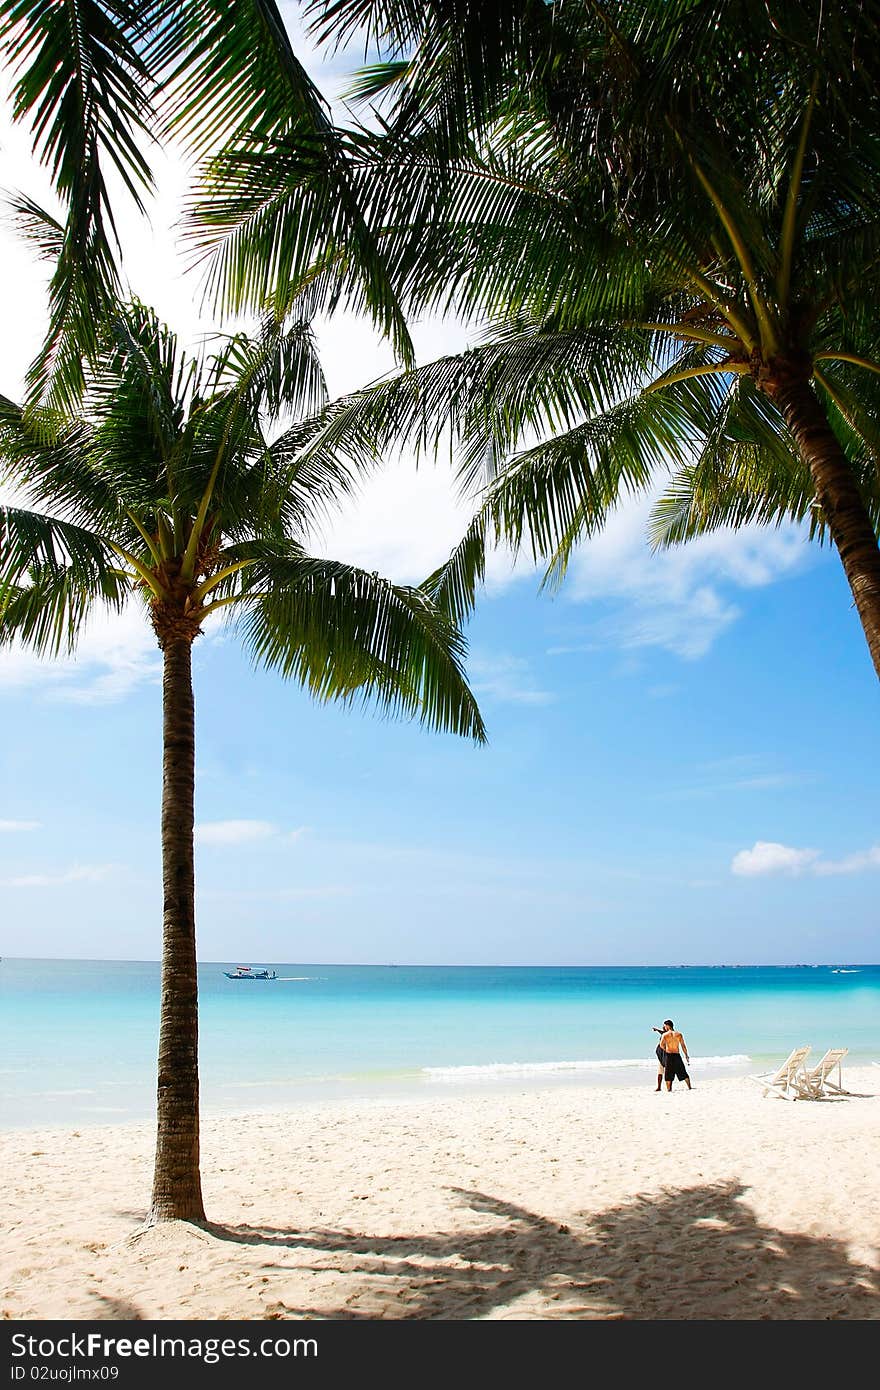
(140, 399)
(267, 211)
(345, 633)
(277, 196)
(231, 73)
(523, 380)
(453, 585)
(84, 88)
(461, 55)
(36, 226)
(749, 472)
(52, 575)
(49, 456)
(277, 371)
(562, 491)
(852, 403)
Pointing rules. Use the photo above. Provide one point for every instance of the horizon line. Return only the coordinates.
(488, 965)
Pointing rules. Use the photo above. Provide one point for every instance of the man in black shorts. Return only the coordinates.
(674, 1046)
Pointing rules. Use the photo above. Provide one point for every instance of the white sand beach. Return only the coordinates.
(575, 1202)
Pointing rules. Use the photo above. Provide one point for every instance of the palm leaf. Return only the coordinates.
(52, 574)
(342, 632)
(83, 87)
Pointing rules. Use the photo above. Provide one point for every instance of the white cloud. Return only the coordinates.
(406, 516)
(678, 599)
(766, 857)
(747, 772)
(234, 832)
(321, 891)
(11, 827)
(116, 653)
(403, 522)
(242, 832)
(852, 864)
(79, 873)
(765, 782)
(507, 679)
(730, 775)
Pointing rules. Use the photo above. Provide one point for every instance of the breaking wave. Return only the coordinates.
(493, 1069)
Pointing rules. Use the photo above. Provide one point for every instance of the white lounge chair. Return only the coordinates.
(788, 1079)
(815, 1082)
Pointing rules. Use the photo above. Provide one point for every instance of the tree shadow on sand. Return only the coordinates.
(617, 1264)
(110, 1309)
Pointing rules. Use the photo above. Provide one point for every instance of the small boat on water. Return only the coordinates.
(247, 972)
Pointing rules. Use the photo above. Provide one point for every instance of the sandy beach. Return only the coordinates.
(575, 1202)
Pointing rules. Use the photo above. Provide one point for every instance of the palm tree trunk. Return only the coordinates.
(841, 501)
(177, 1188)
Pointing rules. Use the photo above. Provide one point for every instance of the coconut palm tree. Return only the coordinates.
(100, 82)
(667, 218)
(166, 491)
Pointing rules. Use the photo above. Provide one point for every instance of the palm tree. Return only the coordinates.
(167, 491)
(667, 218)
(99, 82)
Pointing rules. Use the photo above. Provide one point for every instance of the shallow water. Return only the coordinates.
(78, 1038)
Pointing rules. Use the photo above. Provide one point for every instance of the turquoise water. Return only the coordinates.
(78, 1038)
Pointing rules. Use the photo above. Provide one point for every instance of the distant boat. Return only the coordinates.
(842, 971)
(247, 972)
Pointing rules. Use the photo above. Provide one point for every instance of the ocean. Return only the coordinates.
(78, 1038)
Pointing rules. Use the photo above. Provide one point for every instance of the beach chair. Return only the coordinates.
(786, 1081)
(815, 1082)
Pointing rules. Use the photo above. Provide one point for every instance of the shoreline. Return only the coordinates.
(560, 1202)
(427, 1084)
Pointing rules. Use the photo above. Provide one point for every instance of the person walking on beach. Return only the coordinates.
(673, 1044)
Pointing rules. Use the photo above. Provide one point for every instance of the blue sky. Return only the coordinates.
(681, 767)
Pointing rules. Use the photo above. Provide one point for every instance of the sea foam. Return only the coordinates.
(493, 1069)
